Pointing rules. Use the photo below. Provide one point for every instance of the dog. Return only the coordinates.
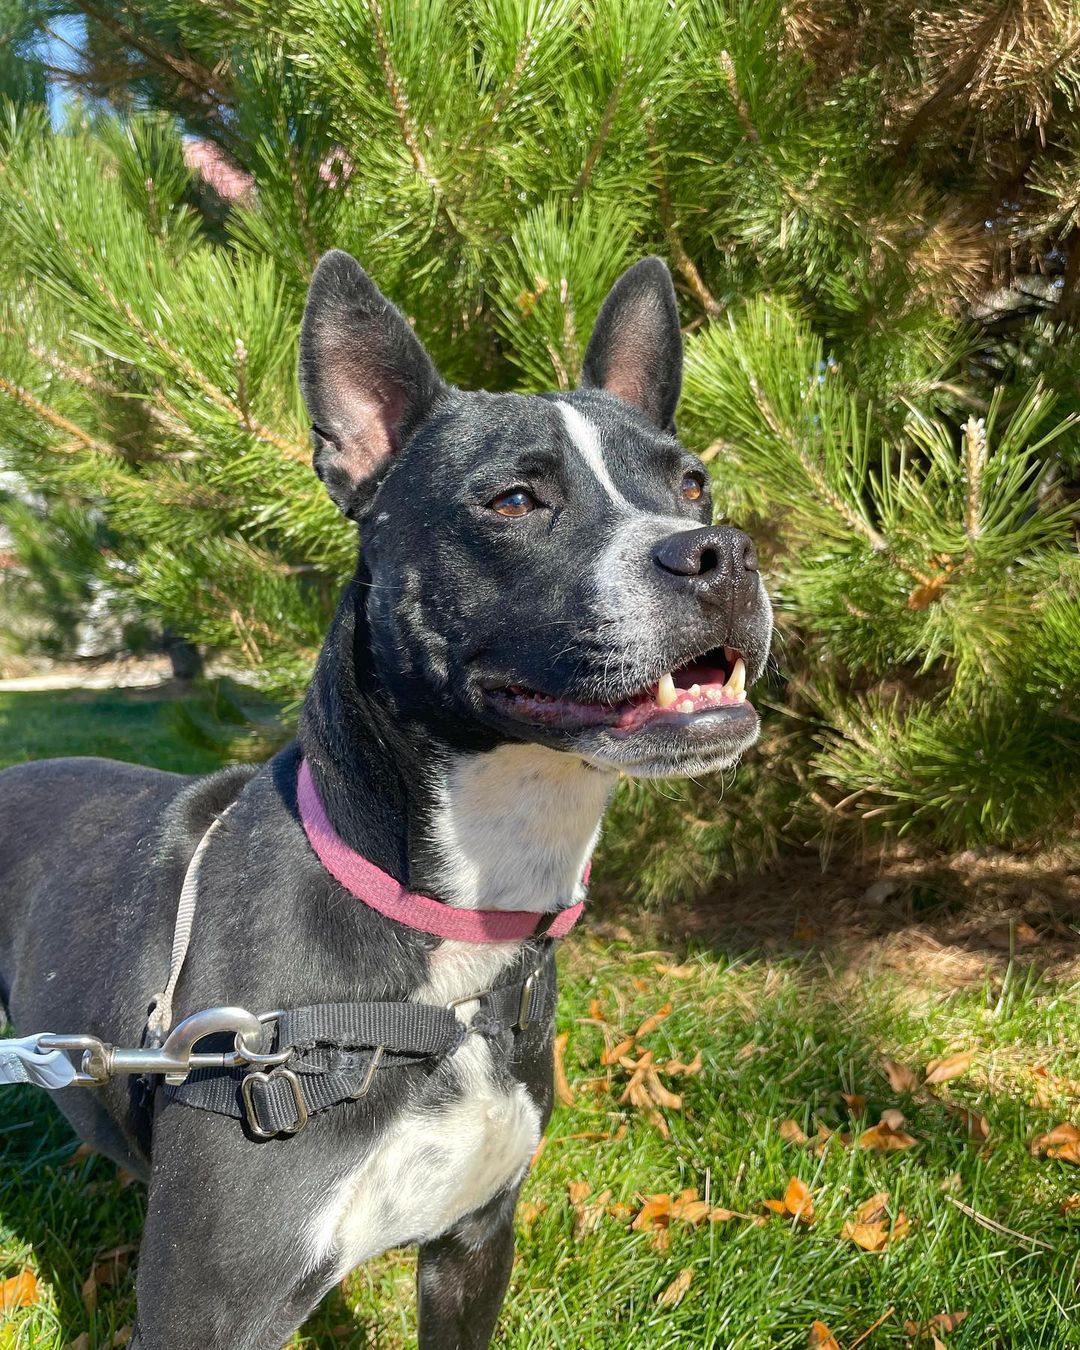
(541, 603)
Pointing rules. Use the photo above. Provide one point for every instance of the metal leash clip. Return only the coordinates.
(176, 1057)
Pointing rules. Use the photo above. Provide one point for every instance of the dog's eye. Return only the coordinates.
(692, 487)
(516, 502)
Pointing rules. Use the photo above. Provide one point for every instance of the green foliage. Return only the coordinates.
(871, 215)
(22, 69)
(59, 559)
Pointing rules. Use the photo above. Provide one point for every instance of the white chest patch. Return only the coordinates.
(430, 1167)
(516, 826)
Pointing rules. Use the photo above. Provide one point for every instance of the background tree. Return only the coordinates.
(873, 215)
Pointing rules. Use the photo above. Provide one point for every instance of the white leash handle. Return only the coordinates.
(23, 1061)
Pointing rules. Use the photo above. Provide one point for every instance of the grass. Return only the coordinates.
(129, 726)
(780, 1039)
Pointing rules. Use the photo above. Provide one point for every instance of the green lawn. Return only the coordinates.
(130, 726)
(780, 1040)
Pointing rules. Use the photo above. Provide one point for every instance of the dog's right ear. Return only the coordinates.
(367, 381)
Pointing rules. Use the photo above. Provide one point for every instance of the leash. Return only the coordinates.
(282, 1067)
(160, 1017)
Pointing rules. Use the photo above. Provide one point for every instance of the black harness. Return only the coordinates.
(320, 1056)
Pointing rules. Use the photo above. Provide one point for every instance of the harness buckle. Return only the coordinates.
(525, 1006)
(287, 1076)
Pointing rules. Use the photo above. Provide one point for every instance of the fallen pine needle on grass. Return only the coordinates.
(562, 1087)
(996, 1227)
(865, 1336)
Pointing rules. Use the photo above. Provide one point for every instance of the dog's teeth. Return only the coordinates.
(685, 705)
(736, 684)
(741, 698)
(695, 690)
(666, 693)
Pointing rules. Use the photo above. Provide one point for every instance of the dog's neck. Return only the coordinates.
(509, 827)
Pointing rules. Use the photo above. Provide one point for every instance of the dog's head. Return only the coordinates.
(539, 568)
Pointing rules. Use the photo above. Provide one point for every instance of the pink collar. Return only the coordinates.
(382, 892)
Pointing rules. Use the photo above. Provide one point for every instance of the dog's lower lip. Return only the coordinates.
(677, 697)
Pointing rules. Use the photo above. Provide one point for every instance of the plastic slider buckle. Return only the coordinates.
(282, 1074)
(525, 1005)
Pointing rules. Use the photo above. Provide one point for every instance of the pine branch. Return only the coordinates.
(311, 248)
(505, 94)
(817, 479)
(684, 263)
(602, 133)
(400, 102)
(210, 85)
(249, 423)
(783, 433)
(57, 420)
(742, 112)
(954, 83)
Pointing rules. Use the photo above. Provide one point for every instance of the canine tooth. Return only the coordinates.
(666, 693)
(736, 684)
(741, 698)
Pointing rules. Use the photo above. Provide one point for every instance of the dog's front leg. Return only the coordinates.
(462, 1277)
(228, 1259)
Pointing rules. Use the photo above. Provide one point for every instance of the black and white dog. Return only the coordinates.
(541, 603)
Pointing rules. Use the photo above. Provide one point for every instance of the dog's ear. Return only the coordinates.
(636, 348)
(367, 381)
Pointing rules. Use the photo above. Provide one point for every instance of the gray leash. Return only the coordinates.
(160, 1018)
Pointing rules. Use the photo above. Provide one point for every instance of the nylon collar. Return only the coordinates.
(382, 892)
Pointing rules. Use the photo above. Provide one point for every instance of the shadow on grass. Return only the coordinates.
(953, 920)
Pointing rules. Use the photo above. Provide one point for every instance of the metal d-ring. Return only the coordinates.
(254, 1056)
(369, 1077)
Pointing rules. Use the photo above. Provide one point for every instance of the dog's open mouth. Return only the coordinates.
(706, 684)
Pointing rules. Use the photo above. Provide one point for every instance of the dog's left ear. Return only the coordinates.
(636, 348)
(367, 381)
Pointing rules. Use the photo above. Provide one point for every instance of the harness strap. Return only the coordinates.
(406, 1028)
(330, 1052)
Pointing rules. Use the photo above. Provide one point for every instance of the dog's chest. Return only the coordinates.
(440, 1158)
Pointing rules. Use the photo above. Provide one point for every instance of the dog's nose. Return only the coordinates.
(712, 555)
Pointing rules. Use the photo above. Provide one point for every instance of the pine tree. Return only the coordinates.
(873, 216)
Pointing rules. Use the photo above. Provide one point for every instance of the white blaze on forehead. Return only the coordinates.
(586, 441)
